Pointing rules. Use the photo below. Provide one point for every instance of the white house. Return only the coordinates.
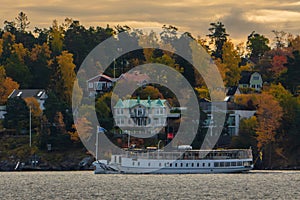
(234, 116)
(251, 80)
(141, 117)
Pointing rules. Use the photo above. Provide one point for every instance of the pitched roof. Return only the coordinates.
(245, 77)
(37, 93)
(129, 103)
(231, 90)
(99, 76)
(135, 76)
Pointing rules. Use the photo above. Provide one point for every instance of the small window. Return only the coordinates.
(227, 164)
(216, 164)
(198, 164)
(138, 163)
(233, 163)
(187, 164)
(133, 163)
(160, 164)
(170, 164)
(175, 164)
(209, 164)
(181, 164)
(192, 164)
(203, 164)
(239, 163)
(149, 164)
(222, 164)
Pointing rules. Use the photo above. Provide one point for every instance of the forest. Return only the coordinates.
(49, 58)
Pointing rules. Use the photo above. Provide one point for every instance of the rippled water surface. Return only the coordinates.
(86, 185)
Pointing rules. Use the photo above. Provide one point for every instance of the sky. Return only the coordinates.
(240, 18)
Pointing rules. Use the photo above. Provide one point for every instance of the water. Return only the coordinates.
(86, 185)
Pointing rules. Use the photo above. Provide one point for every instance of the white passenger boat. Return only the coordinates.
(178, 162)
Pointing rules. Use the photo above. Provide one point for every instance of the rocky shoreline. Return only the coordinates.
(36, 165)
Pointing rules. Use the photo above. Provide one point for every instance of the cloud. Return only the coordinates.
(240, 18)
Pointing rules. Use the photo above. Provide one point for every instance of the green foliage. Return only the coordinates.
(291, 77)
(231, 60)
(218, 37)
(103, 111)
(247, 134)
(257, 45)
(19, 121)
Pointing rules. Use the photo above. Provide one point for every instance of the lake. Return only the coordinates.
(86, 185)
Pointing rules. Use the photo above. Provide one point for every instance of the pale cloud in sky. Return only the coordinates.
(240, 18)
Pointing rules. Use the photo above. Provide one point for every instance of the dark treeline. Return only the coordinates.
(49, 58)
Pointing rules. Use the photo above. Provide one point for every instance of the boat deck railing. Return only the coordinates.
(192, 155)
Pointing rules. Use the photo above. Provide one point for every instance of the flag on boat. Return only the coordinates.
(100, 129)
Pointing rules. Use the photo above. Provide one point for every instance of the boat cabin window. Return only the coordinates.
(198, 164)
(216, 164)
(138, 163)
(175, 164)
(203, 164)
(221, 164)
(148, 164)
(170, 164)
(239, 163)
(181, 164)
(187, 164)
(209, 164)
(160, 164)
(227, 164)
(192, 164)
(233, 163)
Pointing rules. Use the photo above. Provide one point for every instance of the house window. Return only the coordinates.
(255, 78)
(90, 85)
(140, 112)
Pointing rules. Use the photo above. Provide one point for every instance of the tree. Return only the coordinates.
(66, 76)
(7, 85)
(77, 42)
(291, 77)
(1, 46)
(148, 91)
(8, 40)
(19, 121)
(247, 134)
(103, 111)
(218, 37)
(40, 66)
(56, 38)
(257, 45)
(52, 102)
(22, 21)
(231, 60)
(279, 38)
(16, 68)
(269, 115)
(36, 112)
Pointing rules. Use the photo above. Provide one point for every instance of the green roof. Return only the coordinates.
(129, 103)
(119, 104)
